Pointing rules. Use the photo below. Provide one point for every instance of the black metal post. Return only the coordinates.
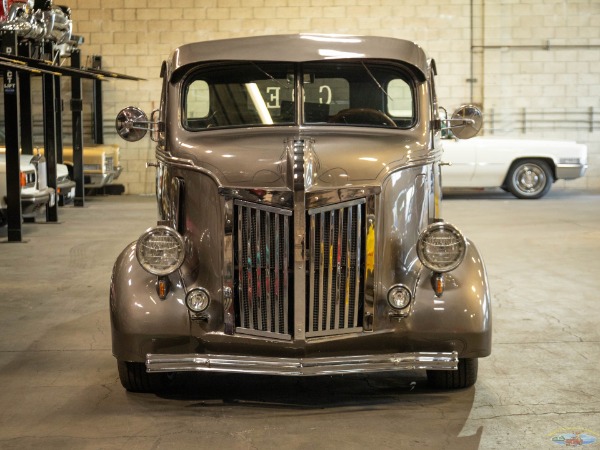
(24, 49)
(77, 131)
(97, 103)
(11, 123)
(58, 109)
(49, 107)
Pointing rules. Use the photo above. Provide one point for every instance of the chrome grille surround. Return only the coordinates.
(263, 261)
(335, 291)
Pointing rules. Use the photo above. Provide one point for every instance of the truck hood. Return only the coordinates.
(332, 158)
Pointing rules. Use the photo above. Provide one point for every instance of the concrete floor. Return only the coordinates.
(60, 389)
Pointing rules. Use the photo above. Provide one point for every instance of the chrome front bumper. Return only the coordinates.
(301, 366)
(570, 171)
(99, 180)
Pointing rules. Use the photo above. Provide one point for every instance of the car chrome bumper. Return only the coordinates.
(31, 203)
(570, 171)
(301, 366)
(65, 187)
(99, 180)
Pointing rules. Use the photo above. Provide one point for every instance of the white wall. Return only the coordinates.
(534, 54)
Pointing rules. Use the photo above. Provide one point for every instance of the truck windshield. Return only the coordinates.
(335, 93)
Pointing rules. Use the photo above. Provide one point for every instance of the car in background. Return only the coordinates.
(527, 168)
(100, 164)
(35, 193)
(65, 186)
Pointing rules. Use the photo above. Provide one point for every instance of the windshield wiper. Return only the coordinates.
(376, 82)
(271, 76)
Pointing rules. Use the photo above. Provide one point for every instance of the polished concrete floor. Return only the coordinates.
(59, 386)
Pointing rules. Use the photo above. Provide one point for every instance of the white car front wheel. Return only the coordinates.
(529, 179)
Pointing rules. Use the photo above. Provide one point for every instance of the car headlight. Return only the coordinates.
(441, 247)
(160, 250)
(197, 300)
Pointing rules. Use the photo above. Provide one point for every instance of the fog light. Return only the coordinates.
(399, 297)
(197, 300)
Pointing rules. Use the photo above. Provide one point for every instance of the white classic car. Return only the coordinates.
(526, 168)
(35, 192)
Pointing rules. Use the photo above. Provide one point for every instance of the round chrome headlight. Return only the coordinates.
(441, 247)
(399, 297)
(197, 300)
(160, 250)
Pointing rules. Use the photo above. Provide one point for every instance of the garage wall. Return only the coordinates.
(530, 56)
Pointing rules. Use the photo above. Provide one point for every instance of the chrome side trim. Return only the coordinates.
(302, 366)
(174, 161)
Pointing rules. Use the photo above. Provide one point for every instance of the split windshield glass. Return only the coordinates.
(335, 93)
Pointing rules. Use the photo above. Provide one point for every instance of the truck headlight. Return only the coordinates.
(160, 250)
(441, 247)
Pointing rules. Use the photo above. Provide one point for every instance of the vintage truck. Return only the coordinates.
(300, 229)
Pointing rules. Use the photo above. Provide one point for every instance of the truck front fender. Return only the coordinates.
(142, 322)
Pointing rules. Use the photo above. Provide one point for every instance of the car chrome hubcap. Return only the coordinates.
(530, 179)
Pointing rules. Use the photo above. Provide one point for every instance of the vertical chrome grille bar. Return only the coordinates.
(268, 302)
(357, 265)
(278, 297)
(241, 277)
(286, 258)
(349, 267)
(330, 268)
(250, 265)
(313, 263)
(338, 267)
(259, 299)
(323, 263)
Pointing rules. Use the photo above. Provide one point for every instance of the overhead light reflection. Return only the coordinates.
(333, 54)
(331, 38)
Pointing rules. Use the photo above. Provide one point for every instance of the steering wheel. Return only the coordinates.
(363, 116)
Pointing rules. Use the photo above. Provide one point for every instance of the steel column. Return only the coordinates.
(77, 131)
(11, 123)
(24, 49)
(49, 107)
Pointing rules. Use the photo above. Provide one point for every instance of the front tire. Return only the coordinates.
(464, 377)
(529, 179)
(134, 378)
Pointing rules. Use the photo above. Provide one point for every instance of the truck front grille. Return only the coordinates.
(335, 293)
(263, 261)
(334, 270)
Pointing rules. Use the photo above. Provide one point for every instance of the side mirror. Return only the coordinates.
(466, 122)
(132, 124)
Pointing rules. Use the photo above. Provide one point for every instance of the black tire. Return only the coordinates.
(464, 377)
(529, 178)
(134, 378)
